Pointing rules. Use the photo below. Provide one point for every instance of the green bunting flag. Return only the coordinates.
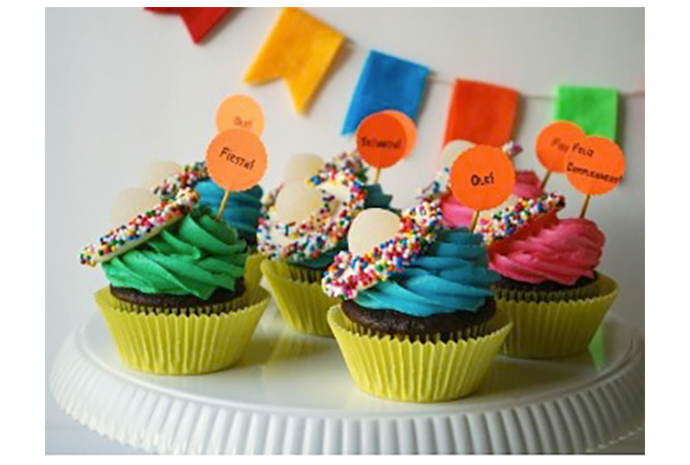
(594, 109)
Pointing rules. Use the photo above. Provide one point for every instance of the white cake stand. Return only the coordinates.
(292, 394)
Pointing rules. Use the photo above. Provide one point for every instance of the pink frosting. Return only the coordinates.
(527, 184)
(560, 251)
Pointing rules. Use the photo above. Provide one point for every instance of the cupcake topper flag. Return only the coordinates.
(384, 138)
(482, 178)
(594, 165)
(236, 158)
(553, 144)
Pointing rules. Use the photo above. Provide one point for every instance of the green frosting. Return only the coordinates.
(193, 256)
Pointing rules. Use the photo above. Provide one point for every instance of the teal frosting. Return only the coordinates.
(242, 211)
(376, 198)
(450, 276)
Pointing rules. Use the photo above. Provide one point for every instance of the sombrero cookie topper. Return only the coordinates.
(378, 249)
(139, 229)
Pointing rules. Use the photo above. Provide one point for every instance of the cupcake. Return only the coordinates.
(242, 210)
(549, 284)
(301, 247)
(418, 321)
(177, 303)
(303, 227)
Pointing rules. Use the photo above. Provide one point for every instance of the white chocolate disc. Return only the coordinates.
(131, 202)
(452, 150)
(156, 172)
(303, 166)
(296, 201)
(370, 228)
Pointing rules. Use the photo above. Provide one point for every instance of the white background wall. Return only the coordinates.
(126, 87)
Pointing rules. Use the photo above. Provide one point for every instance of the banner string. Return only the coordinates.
(435, 79)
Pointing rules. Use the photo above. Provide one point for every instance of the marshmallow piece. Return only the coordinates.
(370, 228)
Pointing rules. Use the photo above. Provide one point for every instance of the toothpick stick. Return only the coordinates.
(475, 218)
(376, 176)
(584, 206)
(545, 180)
(221, 209)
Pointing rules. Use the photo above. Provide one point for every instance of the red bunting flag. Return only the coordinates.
(199, 21)
(481, 113)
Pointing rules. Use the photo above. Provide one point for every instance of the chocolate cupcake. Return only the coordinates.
(423, 293)
(549, 284)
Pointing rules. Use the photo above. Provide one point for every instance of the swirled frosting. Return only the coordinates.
(194, 256)
(560, 251)
(451, 275)
(242, 211)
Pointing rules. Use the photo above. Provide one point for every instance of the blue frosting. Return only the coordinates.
(451, 275)
(242, 211)
(376, 198)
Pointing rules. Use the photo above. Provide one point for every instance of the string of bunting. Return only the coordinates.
(301, 49)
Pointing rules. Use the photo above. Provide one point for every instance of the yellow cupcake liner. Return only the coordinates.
(399, 369)
(554, 329)
(252, 270)
(299, 297)
(182, 341)
(582, 292)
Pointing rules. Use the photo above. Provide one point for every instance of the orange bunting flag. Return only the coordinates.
(300, 50)
(481, 113)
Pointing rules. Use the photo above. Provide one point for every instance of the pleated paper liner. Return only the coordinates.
(299, 297)
(187, 341)
(252, 270)
(399, 369)
(581, 292)
(554, 329)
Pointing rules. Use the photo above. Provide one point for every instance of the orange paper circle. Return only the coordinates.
(482, 177)
(381, 140)
(595, 165)
(236, 160)
(554, 143)
(240, 112)
(410, 129)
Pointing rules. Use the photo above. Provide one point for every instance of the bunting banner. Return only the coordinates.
(386, 83)
(300, 49)
(594, 109)
(481, 113)
(199, 21)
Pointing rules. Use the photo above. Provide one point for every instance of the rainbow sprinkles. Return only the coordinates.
(323, 229)
(504, 223)
(349, 273)
(139, 229)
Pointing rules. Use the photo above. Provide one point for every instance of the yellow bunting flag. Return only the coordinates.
(300, 49)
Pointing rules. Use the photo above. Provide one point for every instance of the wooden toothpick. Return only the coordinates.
(475, 218)
(584, 206)
(545, 180)
(376, 176)
(221, 209)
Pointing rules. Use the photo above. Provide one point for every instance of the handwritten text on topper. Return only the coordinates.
(382, 140)
(554, 143)
(236, 160)
(410, 129)
(482, 177)
(240, 112)
(595, 165)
